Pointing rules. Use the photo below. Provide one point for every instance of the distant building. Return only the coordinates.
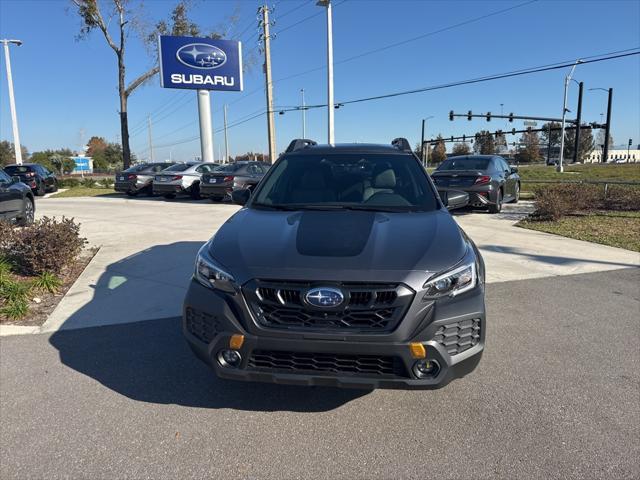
(616, 154)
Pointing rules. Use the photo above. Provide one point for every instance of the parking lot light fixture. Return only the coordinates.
(12, 102)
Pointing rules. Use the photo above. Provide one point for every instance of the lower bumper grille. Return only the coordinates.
(201, 325)
(460, 336)
(365, 365)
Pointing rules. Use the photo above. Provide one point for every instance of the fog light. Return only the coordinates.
(426, 368)
(229, 358)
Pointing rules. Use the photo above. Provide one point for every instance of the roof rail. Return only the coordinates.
(401, 144)
(299, 144)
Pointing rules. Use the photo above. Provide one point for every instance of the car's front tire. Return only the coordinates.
(131, 193)
(497, 206)
(194, 191)
(28, 214)
(55, 186)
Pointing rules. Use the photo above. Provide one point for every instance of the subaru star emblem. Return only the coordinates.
(324, 297)
(201, 55)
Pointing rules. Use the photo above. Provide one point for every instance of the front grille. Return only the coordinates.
(202, 325)
(460, 336)
(367, 365)
(372, 308)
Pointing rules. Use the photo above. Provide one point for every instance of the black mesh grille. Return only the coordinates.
(460, 336)
(367, 307)
(367, 365)
(201, 325)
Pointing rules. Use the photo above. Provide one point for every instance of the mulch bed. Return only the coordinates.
(40, 311)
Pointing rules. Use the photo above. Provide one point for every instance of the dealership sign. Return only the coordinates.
(200, 63)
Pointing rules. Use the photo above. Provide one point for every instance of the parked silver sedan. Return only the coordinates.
(181, 178)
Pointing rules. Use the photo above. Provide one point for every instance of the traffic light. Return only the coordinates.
(451, 115)
(511, 117)
(513, 131)
(469, 115)
(488, 116)
(464, 138)
(630, 141)
(452, 138)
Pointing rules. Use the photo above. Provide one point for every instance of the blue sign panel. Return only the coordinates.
(200, 63)
(82, 164)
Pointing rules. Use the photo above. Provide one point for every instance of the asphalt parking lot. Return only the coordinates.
(111, 389)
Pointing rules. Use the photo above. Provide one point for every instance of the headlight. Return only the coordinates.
(212, 275)
(459, 280)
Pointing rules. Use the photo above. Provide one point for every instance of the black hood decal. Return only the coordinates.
(333, 234)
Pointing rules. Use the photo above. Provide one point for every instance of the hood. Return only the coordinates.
(337, 245)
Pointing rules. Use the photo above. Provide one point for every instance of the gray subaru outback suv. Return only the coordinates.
(343, 268)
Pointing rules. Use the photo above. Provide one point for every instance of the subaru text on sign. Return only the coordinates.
(200, 63)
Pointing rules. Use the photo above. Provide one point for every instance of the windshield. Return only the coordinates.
(137, 168)
(14, 169)
(465, 163)
(228, 167)
(178, 167)
(363, 182)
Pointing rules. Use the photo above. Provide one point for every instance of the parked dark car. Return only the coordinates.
(488, 179)
(343, 268)
(37, 177)
(232, 176)
(139, 178)
(181, 178)
(16, 200)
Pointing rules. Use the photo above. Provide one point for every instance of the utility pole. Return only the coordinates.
(17, 147)
(578, 119)
(150, 142)
(607, 130)
(422, 142)
(549, 143)
(304, 114)
(330, 103)
(226, 138)
(266, 38)
(567, 80)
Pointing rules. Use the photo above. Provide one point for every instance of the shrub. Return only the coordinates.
(48, 245)
(88, 182)
(69, 183)
(555, 201)
(107, 182)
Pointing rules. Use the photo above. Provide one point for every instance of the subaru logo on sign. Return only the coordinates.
(324, 297)
(201, 55)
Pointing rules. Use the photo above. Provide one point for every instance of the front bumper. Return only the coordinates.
(210, 319)
(130, 186)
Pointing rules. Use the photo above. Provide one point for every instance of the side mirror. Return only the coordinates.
(16, 179)
(514, 169)
(240, 197)
(453, 199)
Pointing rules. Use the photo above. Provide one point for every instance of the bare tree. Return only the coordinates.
(128, 19)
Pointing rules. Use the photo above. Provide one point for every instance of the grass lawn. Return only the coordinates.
(617, 229)
(86, 192)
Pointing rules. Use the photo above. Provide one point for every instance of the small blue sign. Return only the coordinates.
(200, 63)
(82, 164)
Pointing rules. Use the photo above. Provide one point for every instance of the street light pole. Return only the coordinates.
(424, 157)
(304, 114)
(226, 138)
(330, 104)
(12, 102)
(567, 80)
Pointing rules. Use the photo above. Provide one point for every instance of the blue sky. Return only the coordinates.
(65, 88)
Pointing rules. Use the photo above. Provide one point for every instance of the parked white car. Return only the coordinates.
(181, 178)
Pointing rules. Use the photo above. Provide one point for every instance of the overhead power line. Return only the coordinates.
(526, 71)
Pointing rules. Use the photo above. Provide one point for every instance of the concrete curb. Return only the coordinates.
(7, 330)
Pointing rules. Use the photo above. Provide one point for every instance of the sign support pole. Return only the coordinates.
(206, 130)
